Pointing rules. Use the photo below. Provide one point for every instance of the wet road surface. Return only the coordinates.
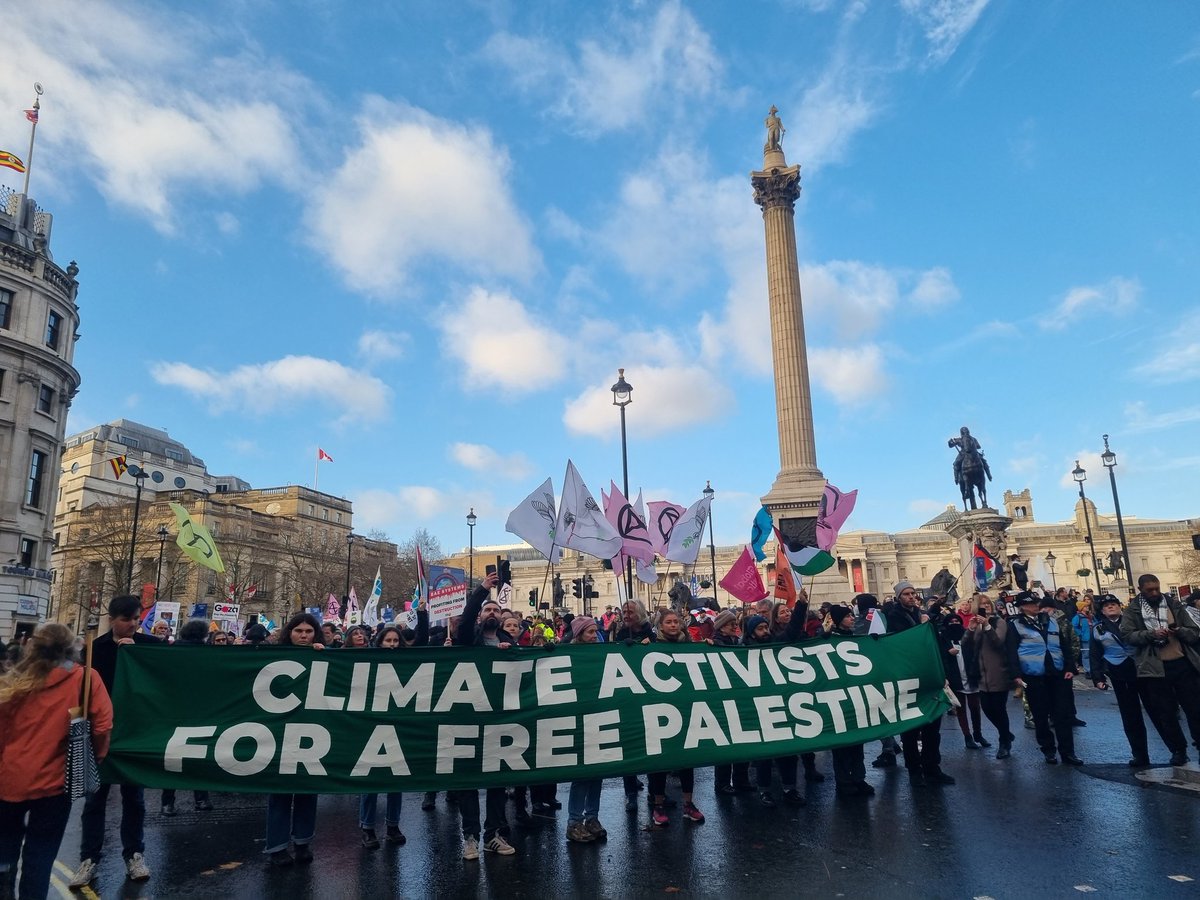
(1016, 828)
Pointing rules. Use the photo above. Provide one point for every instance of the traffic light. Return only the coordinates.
(577, 587)
(588, 593)
(533, 597)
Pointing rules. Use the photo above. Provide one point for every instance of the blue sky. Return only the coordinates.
(424, 239)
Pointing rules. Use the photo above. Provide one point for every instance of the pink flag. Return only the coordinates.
(743, 580)
(623, 516)
(333, 610)
(835, 510)
(663, 516)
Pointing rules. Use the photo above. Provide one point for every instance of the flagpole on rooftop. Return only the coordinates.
(32, 116)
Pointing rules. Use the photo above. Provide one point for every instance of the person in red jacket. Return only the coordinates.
(34, 698)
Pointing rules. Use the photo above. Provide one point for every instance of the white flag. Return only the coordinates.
(581, 523)
(534, 521)
(371, 611)
(875, 622)
(646, 572)
(688, 534)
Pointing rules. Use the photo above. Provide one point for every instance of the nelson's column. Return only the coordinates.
(796, 492)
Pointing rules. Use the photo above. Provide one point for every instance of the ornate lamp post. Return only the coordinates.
(1050, 559)
(349, 547)
(471, 520)
(622, 393)
(1110, 462)
(162, 543)
(712, 547)
(1080, 476)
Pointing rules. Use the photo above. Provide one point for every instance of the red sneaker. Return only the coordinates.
(690, 812)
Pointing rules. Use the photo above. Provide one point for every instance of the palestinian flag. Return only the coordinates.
(800, 546)
(987, 567)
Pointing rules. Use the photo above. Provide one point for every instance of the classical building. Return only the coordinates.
(39, 325)
(283, 547)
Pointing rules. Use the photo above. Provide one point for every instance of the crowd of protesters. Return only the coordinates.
(1029, 647)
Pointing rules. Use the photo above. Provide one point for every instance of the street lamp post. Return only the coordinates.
(622, 396)
(349, 547)
(1110, 462)
(712, 547)
(471, 520)
(1080, 476)
(139, 476)
(1050, 558)
(162, 543)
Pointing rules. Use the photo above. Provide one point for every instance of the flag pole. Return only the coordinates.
(37, 105)
(316, 469)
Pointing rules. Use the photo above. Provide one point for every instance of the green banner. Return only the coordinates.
(267, 719)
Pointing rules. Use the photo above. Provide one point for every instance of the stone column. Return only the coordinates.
(799, 483)
(988, 527)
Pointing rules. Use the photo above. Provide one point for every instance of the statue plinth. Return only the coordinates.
(988, 527)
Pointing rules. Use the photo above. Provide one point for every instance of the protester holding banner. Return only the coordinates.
(123, 631)
(729, 778)
(583, 804)
(357, 637)
(922, 745)
(635, 629)
(292, 818)
(849, 766)
(781, 616)
(479, 625)
(670, 630)
(191, 633)
(34, 810)
(368, 804)
(758, 633)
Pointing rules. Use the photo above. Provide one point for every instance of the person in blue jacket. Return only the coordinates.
(1112, 663)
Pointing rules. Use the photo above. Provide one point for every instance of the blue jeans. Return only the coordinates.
(367, 810)
(39, 824)
(584, 801)
(133, 821)
(290, 817)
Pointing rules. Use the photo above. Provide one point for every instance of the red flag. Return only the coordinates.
(323, 456)
(32, 115)
(743, 581)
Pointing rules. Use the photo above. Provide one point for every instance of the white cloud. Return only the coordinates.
(151, 102)
(935, 288)
(500, 345)
(1177, 360)
(1023, 465)
(1115, 296)
(1138, 418)
(619, 79)
(294, 382)
(946, 23)
(853, 375)
(376, 508)
(227, 223)
(482, 458)
(418, 189)
(857, 295)
(830, 114)
(925, 508)
(674, 397)
(378, 346)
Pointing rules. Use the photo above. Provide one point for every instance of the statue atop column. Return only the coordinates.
(970, 468)
(775, 131)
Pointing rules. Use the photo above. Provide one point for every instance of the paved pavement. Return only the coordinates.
(1009, 829)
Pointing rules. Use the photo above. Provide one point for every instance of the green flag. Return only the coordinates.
(196, 542)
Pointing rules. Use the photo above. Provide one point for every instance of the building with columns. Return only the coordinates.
(39, 325)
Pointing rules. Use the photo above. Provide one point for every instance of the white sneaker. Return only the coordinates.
(135, 868)
(84, 874)
(470, 848)
(499, 845)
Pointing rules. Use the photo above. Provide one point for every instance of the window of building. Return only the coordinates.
(53, 330)
(1166, 562)
(37, 477)
(311, 510)
(339, 518)
(924, 573)
(2, 374)
(6, 307)
(45, 401)
(222, 489)
(85, 533)
(174, 454)
(903, 573)
(128, 441)
(28, 552)
(325, 514)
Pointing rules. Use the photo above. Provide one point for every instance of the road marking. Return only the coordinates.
(86, 890)
(1180, 878)
(63, 890)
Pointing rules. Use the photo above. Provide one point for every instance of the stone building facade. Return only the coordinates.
(39, 324)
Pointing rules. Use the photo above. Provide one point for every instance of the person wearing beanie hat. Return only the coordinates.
(729, 778)
(923, 745)
(1041, 660)
(1112, 663)
(849, 766)
(671, 631)
(757, 630)
(580, 624)
(837, 619)
(583, 802)
(724, 629)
